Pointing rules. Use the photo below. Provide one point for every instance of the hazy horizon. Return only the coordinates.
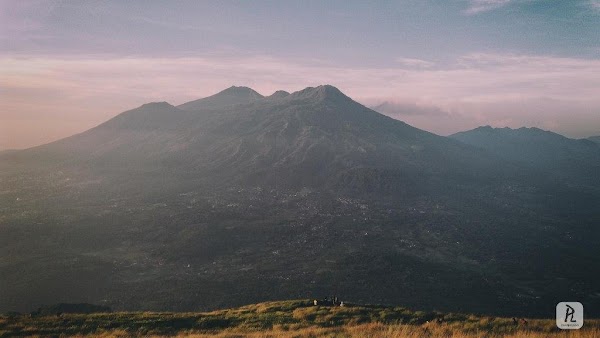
(448, 67)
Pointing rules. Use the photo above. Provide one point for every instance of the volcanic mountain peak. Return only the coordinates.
(159, 106)
(278, 95)
(243, 95)
(320, 93)
(228, 97)
(240, 91)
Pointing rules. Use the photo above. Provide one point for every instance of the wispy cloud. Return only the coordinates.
(480, 6)
(417, 63)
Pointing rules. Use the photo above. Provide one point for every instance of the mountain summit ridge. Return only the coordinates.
(231, 96)
(320, 93)
(236, 95)
(575, 159)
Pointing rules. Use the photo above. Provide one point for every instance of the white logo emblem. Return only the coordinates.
(569, 315)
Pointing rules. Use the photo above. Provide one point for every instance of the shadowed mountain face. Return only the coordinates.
(594, 139)
(239, 198)
(564, 158)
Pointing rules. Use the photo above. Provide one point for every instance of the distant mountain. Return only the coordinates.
(228, 97)
(544, 150)
(7, 151)
(279, 94)
(239, 198)
(594, 139)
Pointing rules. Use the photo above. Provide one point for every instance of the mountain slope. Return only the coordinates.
(278, 94)
(229, 97)
(297, 195)
(594, 139)
(575, 160)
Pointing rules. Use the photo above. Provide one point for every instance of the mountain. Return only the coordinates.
(229, 97)
(7, 151)
(289, 196)
(594, 139)
(279, 94)
(562, 157)
(312, 137)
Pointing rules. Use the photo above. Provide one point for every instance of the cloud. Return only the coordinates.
(41, 95)
(417, 63)
(427, 117)
(480, 6)
(403, 109)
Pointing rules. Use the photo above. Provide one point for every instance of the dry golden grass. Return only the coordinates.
(288, 319)
(376, 330)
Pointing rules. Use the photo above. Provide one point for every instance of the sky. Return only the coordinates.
(441, 65)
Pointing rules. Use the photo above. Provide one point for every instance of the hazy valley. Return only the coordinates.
(239, 198)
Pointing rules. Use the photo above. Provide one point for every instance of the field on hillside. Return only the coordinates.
(288, 319)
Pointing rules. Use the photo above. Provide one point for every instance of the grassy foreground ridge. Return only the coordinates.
(297, 318)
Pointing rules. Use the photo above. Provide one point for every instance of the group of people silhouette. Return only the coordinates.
(329, 301)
